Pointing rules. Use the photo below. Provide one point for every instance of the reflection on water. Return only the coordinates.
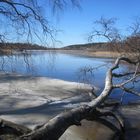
(88, 131)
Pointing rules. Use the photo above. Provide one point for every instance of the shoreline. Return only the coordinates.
(88, 53)
(100, 54)
(85, 53)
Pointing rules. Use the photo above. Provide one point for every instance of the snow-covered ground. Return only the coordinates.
(33, 101)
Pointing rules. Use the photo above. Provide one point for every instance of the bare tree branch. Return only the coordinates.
(130, 91)
(107, 32)
(27, 19)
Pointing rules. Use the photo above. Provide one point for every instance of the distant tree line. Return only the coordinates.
(7, 48)
(131, 44)
(89, 46)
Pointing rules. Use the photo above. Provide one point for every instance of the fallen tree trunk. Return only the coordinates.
(57, 126)
(90, 111)
(7, 127)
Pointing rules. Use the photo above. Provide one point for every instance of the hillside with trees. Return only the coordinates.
(8, 48)
(88, 46)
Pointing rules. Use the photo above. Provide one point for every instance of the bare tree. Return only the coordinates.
(104, 29)
(107, 32)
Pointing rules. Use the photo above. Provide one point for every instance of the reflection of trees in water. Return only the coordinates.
(14, 63)
(87, 74)
(51, 60)
(28, 62)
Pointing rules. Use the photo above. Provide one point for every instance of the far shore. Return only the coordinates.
(99, 50)
(99, 54)
(96, 54)
(80, 52)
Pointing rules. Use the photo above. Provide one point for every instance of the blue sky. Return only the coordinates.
(76, 24)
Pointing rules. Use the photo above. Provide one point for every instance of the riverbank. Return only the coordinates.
(90, 53)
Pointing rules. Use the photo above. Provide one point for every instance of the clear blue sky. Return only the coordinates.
(76, 24)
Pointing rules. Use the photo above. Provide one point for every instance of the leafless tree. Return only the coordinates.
(104, 29)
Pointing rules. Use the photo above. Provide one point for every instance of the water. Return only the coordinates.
(54, 65)
(62, 66)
